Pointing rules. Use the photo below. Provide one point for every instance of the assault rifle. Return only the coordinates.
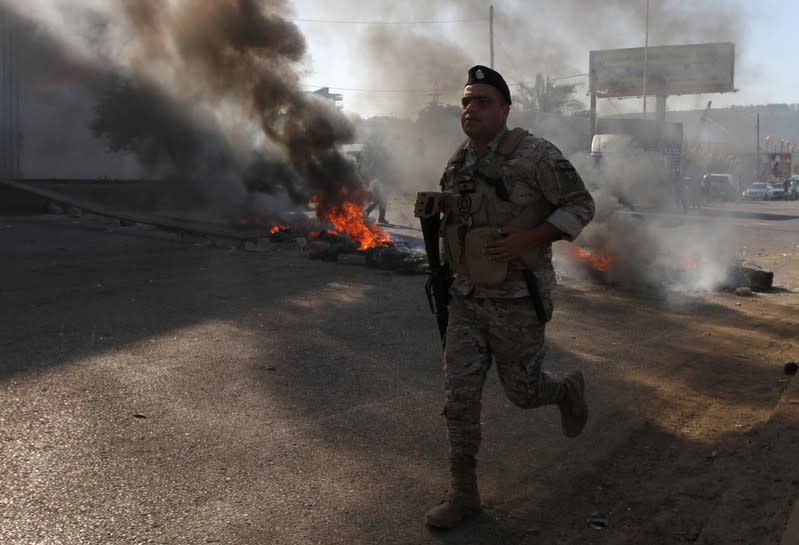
(428, 209)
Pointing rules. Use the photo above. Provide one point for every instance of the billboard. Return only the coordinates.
(776, 165)
(670, 70)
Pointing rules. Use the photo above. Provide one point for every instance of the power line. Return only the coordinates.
(516, 71)
(374, 22)
(351, 89)
(405, 91)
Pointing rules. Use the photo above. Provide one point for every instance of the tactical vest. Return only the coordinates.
(477, 203)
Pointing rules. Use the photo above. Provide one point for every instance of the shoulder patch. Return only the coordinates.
(568, 179)
(564, 165)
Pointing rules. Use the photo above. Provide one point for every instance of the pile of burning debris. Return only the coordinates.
(344, 233)
(347, 235)
(330, 245)
(743, 278)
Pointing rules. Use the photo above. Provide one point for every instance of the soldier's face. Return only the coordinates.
(484, 112)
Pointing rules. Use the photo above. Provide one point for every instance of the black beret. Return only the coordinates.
(484, 74)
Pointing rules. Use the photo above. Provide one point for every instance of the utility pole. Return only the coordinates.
(491, 33)
(757, 148)
(646, 51)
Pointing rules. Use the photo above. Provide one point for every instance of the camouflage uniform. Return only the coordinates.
(500, 322)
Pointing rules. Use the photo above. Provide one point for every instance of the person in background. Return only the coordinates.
(376, 199)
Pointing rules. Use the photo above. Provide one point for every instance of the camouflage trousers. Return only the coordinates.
(482, 330)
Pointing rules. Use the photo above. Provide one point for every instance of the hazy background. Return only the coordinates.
(215, 95)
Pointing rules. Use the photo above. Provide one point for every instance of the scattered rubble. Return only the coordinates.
(260, 246)
(331, 247)
(598, 521)
(55, 208)
(748, 276)
(391, 258)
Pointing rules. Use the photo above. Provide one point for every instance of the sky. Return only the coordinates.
(386, 58)
(392, 58)
(558, 38)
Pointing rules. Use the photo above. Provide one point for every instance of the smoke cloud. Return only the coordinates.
(430, 61)
(213, 93)
(649, 251)
(207, 91)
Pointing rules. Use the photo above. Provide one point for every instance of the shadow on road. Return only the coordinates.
(306, 395)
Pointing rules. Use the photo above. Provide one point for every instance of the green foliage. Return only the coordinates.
(436, 115)
(549, 97)
(438, 126)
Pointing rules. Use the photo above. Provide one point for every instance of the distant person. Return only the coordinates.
(376, 199)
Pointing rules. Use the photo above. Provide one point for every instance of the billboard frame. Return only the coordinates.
(670, 70)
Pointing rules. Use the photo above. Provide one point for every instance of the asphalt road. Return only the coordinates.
(164, 389)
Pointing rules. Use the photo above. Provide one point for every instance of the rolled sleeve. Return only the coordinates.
(569, 223)
(563, 187)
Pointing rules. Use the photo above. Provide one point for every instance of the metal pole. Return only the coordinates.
(15, 104)
(4, 81)
(6, 121)
(491, 33)
(646, 51)
(757, 148)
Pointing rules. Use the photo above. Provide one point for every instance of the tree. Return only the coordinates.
(438, 127)
(549, 97)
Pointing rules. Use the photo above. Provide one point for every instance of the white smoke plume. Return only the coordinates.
(554, 39)
(430, 60)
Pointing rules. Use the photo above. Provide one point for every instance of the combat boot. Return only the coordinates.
(573, 408)
(462, 501)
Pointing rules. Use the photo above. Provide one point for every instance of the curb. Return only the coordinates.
(791, 535)
(724, 517)
(789, 406)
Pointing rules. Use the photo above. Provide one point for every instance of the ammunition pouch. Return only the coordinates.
(482, 270)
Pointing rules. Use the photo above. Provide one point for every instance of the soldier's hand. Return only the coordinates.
(514, 242)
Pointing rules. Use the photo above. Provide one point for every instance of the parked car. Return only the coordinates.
(793, 192)
(691, 192)
(778, 191)
(719, 187)
(758, 191)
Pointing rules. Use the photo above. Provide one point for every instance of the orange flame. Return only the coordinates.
(317, 234)
(601, 263)
(346, 216)
(278, 228)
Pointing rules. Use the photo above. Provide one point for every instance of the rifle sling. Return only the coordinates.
(535, 295)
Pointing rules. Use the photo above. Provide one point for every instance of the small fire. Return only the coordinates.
(346, 216)
(278, 228)
(317, 234)
(600, 263)
(690, 265)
